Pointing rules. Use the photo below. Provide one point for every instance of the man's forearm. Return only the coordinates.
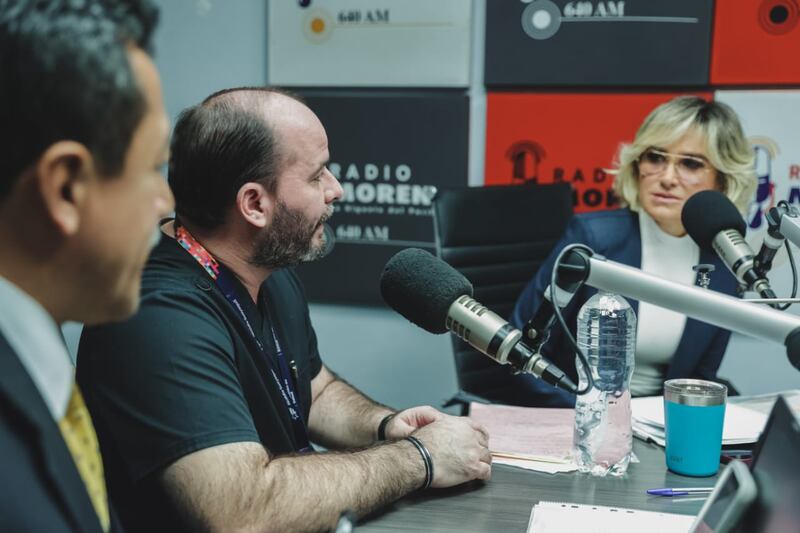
(305, 492)
(361, 482)
(342, 417)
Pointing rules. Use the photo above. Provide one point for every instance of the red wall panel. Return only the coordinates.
(756, 42)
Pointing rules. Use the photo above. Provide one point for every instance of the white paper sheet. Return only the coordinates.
(537, 466)
(556, 517)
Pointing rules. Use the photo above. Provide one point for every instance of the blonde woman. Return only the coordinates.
(684, 146)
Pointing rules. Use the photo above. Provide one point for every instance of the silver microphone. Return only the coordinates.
(737, 255)
(488, 333)
(436, 297)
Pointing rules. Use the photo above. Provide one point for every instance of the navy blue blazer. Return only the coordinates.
(615, 234)
(41, 488)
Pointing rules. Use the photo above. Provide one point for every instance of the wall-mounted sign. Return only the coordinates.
(369, 43)
(390, 153)
(756, 42)
(552, 138)
(769, 119)
(597, 42)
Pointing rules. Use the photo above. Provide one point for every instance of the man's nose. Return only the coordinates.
(333, 189)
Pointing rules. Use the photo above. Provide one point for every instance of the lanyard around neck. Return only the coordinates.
(225, 281)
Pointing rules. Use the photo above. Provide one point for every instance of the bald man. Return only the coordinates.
(207, 401)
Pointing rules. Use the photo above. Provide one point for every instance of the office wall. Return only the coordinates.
(206, 45)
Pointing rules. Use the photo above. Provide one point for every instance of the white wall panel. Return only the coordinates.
(369, 43)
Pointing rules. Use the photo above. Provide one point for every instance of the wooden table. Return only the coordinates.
(504, 503)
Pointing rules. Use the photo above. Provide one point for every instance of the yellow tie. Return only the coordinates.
(78, 432)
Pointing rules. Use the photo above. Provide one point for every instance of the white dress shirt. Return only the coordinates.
(37, 340)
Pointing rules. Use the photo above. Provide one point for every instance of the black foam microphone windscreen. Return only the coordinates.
(707, 213)
(793, 348)
(422, 288)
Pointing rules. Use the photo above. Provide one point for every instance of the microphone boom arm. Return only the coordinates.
(787, 219)
(702, 304)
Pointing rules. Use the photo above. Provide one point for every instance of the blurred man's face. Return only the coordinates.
(120, 221)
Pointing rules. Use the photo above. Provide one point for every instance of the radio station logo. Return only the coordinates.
(766, 150)
(774, 184)
(590, 190)
(375, 189)
(778, 179)
(778, 17)
(541, 19)
(318, 24)
(376, 204)
(525, 157)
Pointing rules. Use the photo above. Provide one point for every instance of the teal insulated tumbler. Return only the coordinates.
(694, 412)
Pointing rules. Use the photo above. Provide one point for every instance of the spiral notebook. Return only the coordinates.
(557, 517)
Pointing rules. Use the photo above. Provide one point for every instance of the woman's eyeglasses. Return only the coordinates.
(690, 169)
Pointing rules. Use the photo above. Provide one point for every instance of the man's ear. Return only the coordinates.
(255, 204)
(63, 176)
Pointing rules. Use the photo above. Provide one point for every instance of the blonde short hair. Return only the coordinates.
(727, 148)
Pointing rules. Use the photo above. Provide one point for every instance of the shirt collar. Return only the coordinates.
(37, 341)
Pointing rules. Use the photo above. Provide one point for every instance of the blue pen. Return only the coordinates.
(679, 491)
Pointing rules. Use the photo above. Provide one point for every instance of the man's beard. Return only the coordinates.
(289, 240)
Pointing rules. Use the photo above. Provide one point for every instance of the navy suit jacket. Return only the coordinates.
(615, 235)
(41, 488)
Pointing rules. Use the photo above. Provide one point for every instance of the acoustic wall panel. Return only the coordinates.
(551, 138)
(770, 121)
(599, 43)
(369, 43)
(390, 152)
(756, 42)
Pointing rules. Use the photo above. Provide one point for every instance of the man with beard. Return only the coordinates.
(206, 402)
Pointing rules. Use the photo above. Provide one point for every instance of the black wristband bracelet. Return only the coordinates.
(426, 458)
(382, 426)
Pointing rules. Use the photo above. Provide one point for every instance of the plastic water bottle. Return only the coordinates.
(607, 337)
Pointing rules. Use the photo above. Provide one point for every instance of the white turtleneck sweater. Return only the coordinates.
(659, 330)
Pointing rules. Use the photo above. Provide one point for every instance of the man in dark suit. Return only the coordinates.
(84, 135)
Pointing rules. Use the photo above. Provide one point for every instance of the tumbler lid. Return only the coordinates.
(694, 392)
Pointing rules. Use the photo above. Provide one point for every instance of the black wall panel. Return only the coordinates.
(598, 43)
(390, 152)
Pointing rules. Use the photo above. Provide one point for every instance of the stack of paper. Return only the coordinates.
(763, 403)
(555, 517)
(528, 437)
(742, 425)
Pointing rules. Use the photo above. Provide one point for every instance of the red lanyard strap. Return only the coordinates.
(225, 281)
